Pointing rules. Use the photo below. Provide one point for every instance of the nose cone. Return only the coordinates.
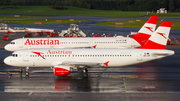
(9, 48)
(7, 61)
(12, 61)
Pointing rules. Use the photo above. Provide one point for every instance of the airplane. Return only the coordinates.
(66, 61)
(87, 42)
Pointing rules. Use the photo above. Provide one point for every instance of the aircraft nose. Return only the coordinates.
(8, 47)
(11, 61)
(6, 61)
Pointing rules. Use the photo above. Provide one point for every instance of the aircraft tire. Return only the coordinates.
(85, 73)
(27, 74)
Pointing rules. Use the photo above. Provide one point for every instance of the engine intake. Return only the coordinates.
(63, 70)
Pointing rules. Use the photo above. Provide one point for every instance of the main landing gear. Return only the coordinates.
(27, 72)
(85, 73)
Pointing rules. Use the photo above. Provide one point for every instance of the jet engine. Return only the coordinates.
(63, 70)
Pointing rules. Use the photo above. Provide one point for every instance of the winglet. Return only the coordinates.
(146, 31)
(159, 38)
(106, 63)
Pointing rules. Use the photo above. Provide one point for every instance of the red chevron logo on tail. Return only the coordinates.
(162, 34)
(149, 28)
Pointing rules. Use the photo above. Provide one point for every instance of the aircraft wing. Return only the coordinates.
(87, 64)
(74, 47)
(121, 47)
(80, 47)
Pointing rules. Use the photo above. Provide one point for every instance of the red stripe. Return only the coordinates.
(152, 19)
(141, 35)
(141, 38)
(166, 24)
(152, 45)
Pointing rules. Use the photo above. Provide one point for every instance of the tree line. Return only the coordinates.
(123, 5)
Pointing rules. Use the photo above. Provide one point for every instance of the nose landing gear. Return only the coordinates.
(27, 72)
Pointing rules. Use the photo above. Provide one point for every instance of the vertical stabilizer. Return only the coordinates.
(146, 31)
(159, 38)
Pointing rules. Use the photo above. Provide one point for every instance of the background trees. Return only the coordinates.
(123, 5)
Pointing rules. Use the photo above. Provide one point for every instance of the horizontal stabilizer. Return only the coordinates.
(166, 53)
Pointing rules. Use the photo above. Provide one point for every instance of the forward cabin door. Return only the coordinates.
(26, 56)
(20, 44)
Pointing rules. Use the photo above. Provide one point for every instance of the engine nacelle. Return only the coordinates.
(63, 70)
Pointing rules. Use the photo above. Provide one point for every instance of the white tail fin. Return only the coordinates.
(159, 38)
(146, 31)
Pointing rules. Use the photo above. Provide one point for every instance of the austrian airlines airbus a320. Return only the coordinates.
(88, 42)
(65, 61)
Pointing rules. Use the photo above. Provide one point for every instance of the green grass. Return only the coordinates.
(43, 21)
(45, 10)
(164, 15)
(136, 24)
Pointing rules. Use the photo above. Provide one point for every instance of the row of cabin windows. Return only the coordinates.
(74, 42)
(77, 42)
(80, 42)
(111, 42)
(82, 55)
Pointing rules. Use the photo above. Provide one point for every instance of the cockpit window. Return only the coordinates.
(14, 55)
(12, 42)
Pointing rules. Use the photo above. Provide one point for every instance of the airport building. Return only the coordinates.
(162, 10)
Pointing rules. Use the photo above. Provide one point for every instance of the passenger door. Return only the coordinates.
(26, 56)
(20, 44)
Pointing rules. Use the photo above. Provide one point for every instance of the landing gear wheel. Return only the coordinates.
(85, 73)
(27, 72)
